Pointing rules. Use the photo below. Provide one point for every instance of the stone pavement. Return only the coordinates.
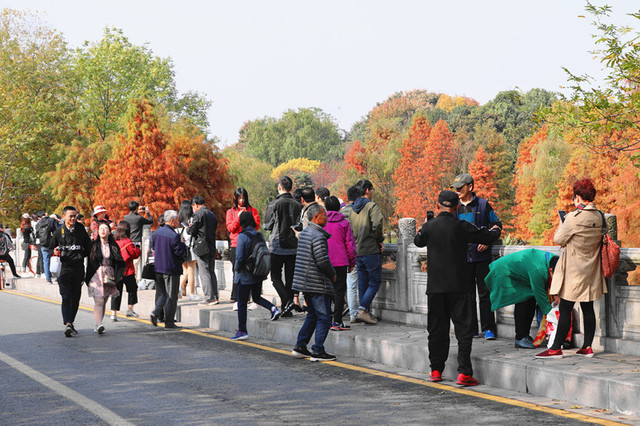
(608, 381)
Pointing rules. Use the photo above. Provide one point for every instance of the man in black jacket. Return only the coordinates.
(283, 213)
(449, 287)
(72, 243)
(203, 232)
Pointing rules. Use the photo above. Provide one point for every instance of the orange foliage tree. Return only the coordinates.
(409, 189)
(484, 177)
(138, 169)
(437, 164)
(525, 185)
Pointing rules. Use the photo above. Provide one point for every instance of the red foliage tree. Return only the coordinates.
(408, 177)
(138, 169)
(355, 157)
(485, 184)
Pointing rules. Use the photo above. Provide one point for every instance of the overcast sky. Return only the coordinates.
(260, 58)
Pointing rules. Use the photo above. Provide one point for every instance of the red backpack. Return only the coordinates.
(610, 252)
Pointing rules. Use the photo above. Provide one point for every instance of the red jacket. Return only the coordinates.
(129, 252)
(233, 223)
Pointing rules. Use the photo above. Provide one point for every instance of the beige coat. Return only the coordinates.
(578, 276)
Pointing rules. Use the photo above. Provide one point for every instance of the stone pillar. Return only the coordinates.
(406, 234)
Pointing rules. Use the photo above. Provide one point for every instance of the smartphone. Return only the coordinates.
(562, 215)
(430, 215)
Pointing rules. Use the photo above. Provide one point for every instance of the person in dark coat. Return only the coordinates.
(203, 244)
(247, 283)
(168, 252)
(314, 276)
(449, 287)
(72, 243)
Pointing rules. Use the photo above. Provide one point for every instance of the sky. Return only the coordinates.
(261, 58)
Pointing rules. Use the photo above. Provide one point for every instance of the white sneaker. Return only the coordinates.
(114, 318)
(253, 306)
(99, 329)
(235, 306)
(195, 297)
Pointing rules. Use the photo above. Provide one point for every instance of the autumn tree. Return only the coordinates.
(408, 177)
(249, 173)
(437, 163)
(484, 177)
(139, 168)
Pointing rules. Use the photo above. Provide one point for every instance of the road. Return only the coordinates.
(139, 374)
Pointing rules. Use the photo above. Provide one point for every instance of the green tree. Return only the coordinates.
(606, 118)
(305, 133)
(253, 175)
(34, 112)
(113, 71)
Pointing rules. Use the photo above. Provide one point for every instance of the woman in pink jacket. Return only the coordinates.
(240, 204)
(342, 253)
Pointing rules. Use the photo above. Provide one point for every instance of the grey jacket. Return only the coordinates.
(313, 272)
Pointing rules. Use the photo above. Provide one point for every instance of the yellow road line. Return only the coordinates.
(449, 388)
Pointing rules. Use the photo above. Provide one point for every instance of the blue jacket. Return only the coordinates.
(168, 250)
(481, 214)
(243, 251)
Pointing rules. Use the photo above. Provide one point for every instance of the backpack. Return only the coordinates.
(259, 262)
(45, 231)
(4, 245)
(610, 252)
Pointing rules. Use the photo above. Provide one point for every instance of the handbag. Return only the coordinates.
(610, 252)
(108, 279)
(55, 265)
(149, 271)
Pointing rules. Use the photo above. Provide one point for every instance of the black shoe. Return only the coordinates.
(172, 327)
(68, 331)
(298, 308)
(287, 309)
(154, 320)
(286, 315)
(300, 352)
(73, 329)
(322, 356)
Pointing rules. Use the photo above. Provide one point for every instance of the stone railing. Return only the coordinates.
(402, 295)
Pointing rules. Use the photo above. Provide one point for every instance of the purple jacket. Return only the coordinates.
(342, 245)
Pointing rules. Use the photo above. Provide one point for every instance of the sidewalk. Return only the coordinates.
(608, 381)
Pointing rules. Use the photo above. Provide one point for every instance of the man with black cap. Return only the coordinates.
(478, 211)
(449, 287)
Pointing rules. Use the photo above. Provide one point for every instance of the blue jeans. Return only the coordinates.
(46, 257)
(369, 276)
(352, 292)
(318, 319)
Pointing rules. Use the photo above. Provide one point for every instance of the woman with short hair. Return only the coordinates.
(578, 276)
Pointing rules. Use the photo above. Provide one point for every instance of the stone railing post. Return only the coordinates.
(406, 234)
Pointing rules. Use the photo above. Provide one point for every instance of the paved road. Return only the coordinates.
(143, 375)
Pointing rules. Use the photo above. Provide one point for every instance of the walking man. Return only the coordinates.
(449, 287)
(479, 212)
(72, 243)
(203, 232)
(168, 249)
(314, 276)
(366, 223)
(283, 213)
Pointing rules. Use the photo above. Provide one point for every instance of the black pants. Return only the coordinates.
(564, 323)
(443, 308)
(70, 286)
(487, 318)
(129, 282)
(523, 314)
(283, 288)
(40, 264)
(234, 286)
(26, 257)
(7, 258)
(243, 296)
(340, 286)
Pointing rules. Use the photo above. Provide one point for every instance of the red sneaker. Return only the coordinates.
(465, 380)
(436, 376)
(550, 353)
(587, 353)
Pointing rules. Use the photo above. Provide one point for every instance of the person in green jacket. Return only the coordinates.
(522, 278)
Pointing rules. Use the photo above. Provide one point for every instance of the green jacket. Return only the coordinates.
(516, 277)
(366, 223)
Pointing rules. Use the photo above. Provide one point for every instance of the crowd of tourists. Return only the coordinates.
(330, 252)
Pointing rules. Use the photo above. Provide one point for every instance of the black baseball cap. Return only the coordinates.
(448, 198)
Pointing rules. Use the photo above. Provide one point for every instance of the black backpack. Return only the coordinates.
(45, 231)
(259, 262)
(4, 244)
